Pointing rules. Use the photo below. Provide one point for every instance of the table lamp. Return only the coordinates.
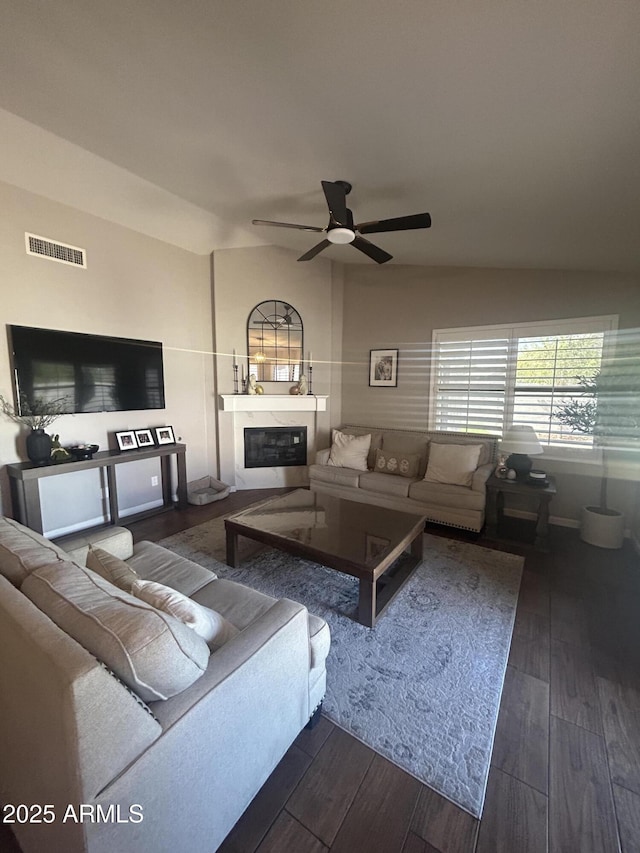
(520, 441)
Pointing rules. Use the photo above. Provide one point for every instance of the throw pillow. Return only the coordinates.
(404, 464)
(207, 623)
(452, 463)
(155, 654)
(111, 568)
(349, 451)
(23, 550)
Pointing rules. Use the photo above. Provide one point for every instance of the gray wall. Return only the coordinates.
(399, 306)
(134, 286)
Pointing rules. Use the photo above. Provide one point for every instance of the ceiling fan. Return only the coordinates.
(342, 230)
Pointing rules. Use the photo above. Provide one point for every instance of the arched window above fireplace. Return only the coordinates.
(274, 342)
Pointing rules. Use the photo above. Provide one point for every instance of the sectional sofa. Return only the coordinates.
(451, 503)
(162, 751)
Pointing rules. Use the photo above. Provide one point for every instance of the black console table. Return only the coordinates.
(24, 477)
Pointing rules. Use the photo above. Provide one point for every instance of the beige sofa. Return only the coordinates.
(453, 505)
(114, 773)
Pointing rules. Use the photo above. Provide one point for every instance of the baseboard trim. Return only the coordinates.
(88, 523)
(134, 510)
(561, 521)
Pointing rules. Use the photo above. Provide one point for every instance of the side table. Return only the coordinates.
(541, 495)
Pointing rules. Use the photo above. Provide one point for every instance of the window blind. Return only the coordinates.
(471, 384)
(486, 378)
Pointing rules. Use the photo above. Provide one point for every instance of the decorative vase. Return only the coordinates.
(39, 447)
(603, 528)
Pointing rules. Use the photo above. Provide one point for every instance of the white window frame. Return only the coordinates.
(606, 324)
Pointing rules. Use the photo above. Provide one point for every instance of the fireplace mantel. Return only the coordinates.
(272, 403)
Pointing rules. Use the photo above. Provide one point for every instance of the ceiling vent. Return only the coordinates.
(46, 248)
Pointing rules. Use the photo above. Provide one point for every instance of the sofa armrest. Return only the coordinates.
(259, 653)
(221, 745)
(117, 541)
(322, 456)
(481, 475)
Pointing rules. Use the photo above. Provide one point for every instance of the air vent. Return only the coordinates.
(46, 248)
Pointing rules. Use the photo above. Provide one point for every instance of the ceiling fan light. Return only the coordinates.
(341, 235)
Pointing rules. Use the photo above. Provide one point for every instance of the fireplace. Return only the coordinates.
(275, 447)
(264, 412)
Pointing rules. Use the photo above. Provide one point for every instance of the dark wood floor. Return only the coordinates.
(565, 771)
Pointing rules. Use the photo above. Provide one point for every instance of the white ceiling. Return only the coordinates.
(515, 124)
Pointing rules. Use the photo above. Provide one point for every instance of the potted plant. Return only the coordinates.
(610, 411)
(37, 416)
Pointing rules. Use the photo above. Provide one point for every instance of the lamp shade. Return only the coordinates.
(521, 439)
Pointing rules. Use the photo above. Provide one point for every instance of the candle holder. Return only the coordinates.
(235, 379)
(310, 391)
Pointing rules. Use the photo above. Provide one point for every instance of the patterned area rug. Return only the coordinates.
(423, 687)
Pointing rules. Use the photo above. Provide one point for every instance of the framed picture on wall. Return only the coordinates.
(164, 435)
(383, 368)
(127, 440)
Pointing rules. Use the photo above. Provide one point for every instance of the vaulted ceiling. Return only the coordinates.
(515, 124)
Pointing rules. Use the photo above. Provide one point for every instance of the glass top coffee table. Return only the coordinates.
(367, 542)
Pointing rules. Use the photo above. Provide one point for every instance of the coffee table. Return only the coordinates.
(367, 542)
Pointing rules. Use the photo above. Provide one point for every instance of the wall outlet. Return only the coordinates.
(154, 481)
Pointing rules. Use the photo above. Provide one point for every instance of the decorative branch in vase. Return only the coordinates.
(37, 416)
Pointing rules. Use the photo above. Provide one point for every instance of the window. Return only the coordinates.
(486, 378)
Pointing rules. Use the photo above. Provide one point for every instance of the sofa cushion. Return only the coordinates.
(385, 484)
(154, 563)
(349, 451)
(398, 442)
(401, 464)
(437, 494)
(155, 654)
(111, 568)
(335, 476)
(22, 551)
(242, 605)
(452, 463)
(376, 441)
(487, 445)
(214, 629)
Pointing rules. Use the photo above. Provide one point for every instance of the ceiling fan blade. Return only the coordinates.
(400, 223)
(287, 225)
(323, 244)
(336, 196)
(374, 252)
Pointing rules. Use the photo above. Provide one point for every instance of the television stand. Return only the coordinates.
(25, 492)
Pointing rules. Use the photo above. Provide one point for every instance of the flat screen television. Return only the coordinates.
(92, 373)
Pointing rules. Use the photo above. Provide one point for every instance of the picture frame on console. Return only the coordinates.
(383, 368)
(164, 435)
(127, 440)
(144, 438)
